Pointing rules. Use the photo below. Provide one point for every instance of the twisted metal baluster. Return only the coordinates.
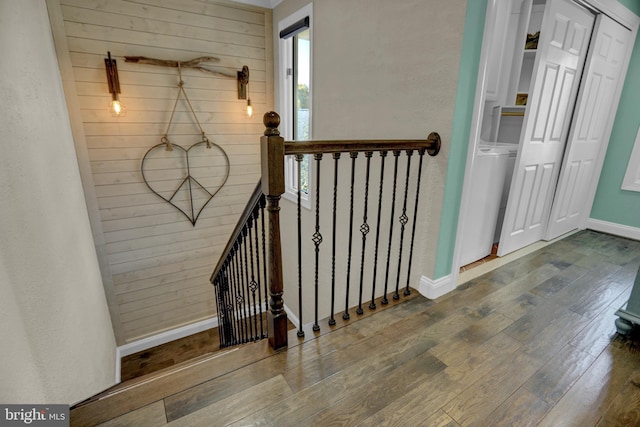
(346, 315)
(256, 213)
(253, 285)
(242, 308)
(228, 310)
(317, 237)
(264, 254)
(252, 313)
(245, 291)
(220, 307)
(237, 297)
(364, 229)
(336, 158)
(216, 294)
(396, 153)
(421, 152)
(403, 222)
(299, 158)
(372, 304)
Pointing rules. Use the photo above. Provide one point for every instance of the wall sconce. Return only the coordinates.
(116, 107)
(243, 89)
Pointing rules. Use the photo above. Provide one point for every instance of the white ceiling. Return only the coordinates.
(269, 4)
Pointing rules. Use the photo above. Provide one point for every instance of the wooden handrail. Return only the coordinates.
(432, 145)
(246, 213)
(273, 148)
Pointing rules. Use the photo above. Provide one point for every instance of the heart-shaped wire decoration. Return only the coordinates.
(191, 195)
(185, 178)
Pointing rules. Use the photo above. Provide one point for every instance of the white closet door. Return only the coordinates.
(591, 130)
(562, 49)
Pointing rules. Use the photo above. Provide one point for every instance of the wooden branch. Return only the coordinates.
(201, 63)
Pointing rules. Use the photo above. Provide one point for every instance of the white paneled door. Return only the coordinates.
(592, 127)
(562, 49)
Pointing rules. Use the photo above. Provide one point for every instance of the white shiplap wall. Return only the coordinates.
(160, 263)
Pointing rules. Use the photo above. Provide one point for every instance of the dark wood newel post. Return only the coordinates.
(272, 159)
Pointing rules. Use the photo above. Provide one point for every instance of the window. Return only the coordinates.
(295, 97)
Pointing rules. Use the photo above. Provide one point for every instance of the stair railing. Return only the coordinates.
(230, 277)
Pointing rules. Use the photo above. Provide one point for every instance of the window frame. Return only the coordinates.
(286, 103)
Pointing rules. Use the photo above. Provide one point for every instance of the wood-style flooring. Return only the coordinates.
(531, 343)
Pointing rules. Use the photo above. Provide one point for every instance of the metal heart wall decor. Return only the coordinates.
(186, 178)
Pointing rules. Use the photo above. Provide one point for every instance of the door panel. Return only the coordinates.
(591, 129)
(564, 41)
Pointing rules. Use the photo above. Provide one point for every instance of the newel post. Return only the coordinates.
(272, 159)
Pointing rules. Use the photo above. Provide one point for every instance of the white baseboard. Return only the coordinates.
(292, 317)
(613, 228)
(165, 337)
(433, 289)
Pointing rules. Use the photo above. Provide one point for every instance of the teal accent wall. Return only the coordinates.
(462, 115)
(612, 204)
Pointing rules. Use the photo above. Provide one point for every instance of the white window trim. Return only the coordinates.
(631, 180)
(286, 106)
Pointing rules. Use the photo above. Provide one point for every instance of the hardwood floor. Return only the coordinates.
(531, 343)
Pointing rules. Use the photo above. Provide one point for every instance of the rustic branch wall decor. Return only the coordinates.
(190, 190)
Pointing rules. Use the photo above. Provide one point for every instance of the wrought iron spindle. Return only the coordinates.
(248, 283)
(243, 286)
(256, 213)
(345, 315)
(421, 152)
(317, 238)
(253, 285)
(364, 229)
(396, 154)
(299, 158)
(237, 295)
(263, 203)
(372, 304)
(220, 310)
(403, 222)
(228, 310)
(336, 158)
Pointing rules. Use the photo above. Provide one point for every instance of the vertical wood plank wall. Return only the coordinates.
(159, 262)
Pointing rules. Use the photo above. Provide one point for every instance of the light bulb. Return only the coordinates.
(116, 107)
(249, 109)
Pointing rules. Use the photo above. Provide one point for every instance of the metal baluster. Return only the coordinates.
(317, 237)
(237, 295)
(218, 293)
(264, 254)
(336, 158)
(253, 285)
(372, 305)
(421, 152)
(244, 294)
(248, 283)
(396, 153)
(299, 158)
(345, 315)
(403, 222)
(256, 213)
(232, 299)
(228, 309)
(241, 287)
(364, 229)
